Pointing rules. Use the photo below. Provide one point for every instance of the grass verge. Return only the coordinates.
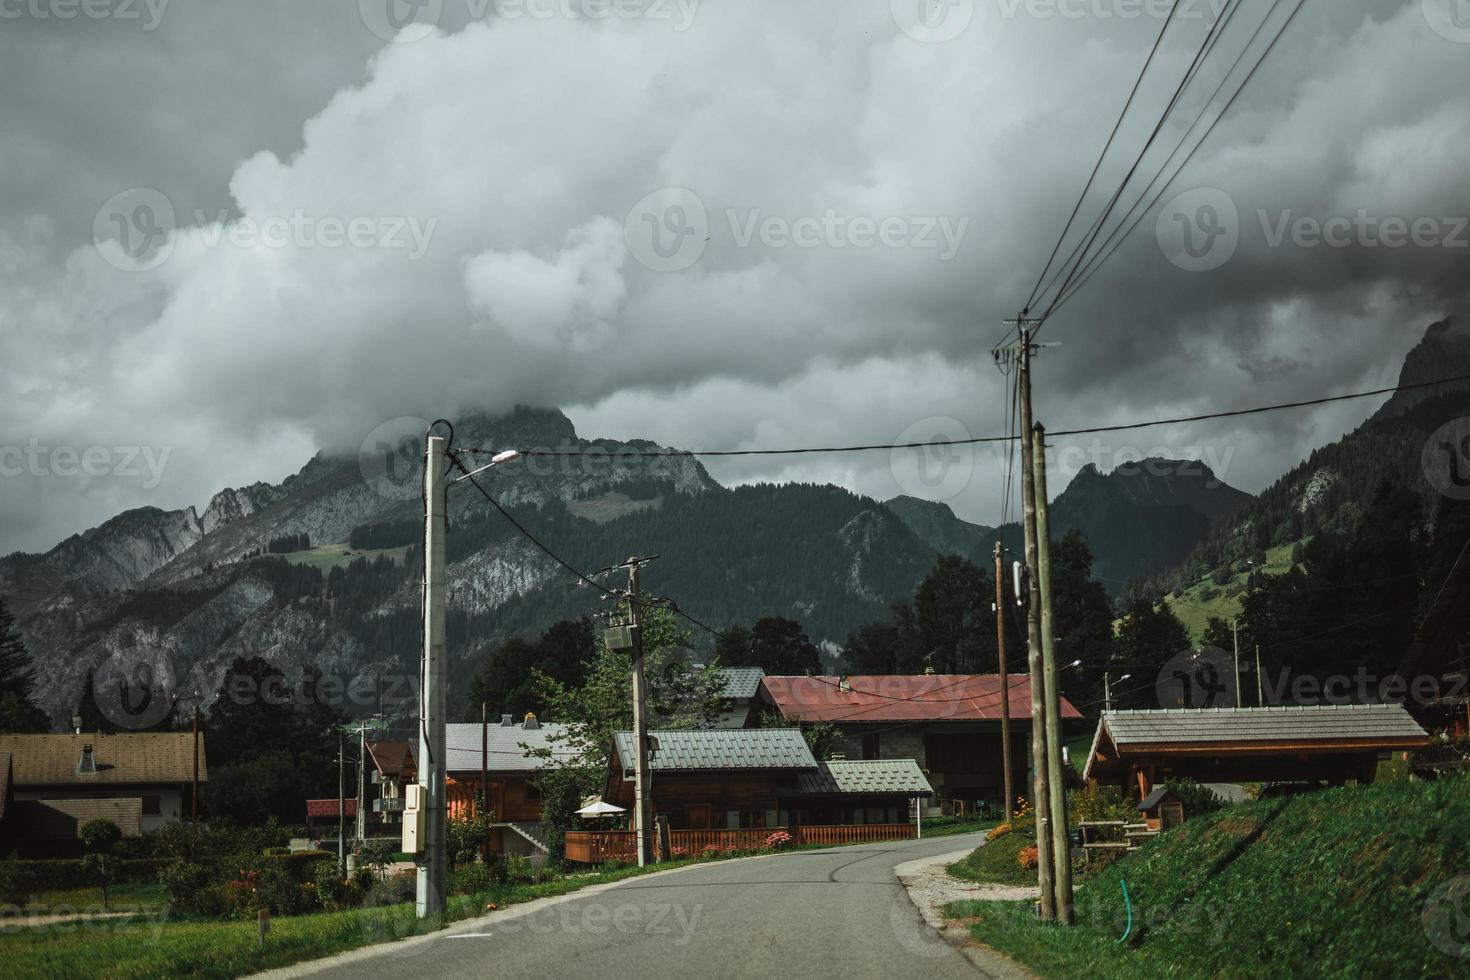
(1357, 881)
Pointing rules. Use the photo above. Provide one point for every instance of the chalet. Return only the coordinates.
(762, 779)
(511, 754)
(1136, 750)
(740, 701)
(950, 724)
(138, 780)
(393, 767)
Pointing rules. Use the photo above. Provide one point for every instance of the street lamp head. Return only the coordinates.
(508, 456)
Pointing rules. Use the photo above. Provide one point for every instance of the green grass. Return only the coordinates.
(123, 897)
(1194, 611)
(330, 556)
(155, 946)
(949, 826)
(997, 861)
(1340, 883)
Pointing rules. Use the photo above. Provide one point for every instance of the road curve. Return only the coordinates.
(838, 913)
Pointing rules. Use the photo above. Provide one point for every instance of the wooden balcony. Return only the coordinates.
(597, 846)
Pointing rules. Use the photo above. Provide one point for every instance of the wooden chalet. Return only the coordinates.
(733, 788)
(949, 724)
(511, 753)
(1334, 743)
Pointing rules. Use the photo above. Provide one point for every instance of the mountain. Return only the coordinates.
(1331, 487)
(1140, 519)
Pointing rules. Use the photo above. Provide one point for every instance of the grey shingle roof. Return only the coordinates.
(728, 748)
(126, 758)
(742, 682)
(1295, 724)
(462, 747)
(872, 776)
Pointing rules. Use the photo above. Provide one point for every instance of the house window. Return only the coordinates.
(151, 806)
(533, 792)
(732, 819)
(870, 746)
(753, 819)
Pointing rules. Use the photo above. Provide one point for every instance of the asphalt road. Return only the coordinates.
(832, 913)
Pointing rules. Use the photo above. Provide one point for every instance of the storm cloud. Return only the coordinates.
(256, 230)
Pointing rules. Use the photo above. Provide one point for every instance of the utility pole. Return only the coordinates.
(484, 757)
(1005, 685)
(1235, 637)
(1260, 685)
(1108, 689)
(431, 862)
(642, 824)
(360, 769)
(194, 789)
(341, 806)
(1041, 775)
(1061, 845)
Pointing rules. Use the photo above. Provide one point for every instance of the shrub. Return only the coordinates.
(470, 879)
(779, 841)
(331, 890)
(1029, 858)
(1095, 802)
(712, 852)
(1222, 575)
(999, 830)
(1198, 799)
(99, 835)
(518, 871)
(182, 881)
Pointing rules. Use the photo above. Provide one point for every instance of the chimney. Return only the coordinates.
(506, 721)
(843, 685)
(530, 724)
(88, 762)
(837, 757)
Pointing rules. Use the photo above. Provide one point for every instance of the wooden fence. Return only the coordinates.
(597, 846)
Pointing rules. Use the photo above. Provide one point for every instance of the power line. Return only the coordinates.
(1127, 229)
(980, 440)
(1132, 94)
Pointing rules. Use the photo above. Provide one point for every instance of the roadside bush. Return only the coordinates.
(518, 871)
(331, 890)
(1029, 858)
(1198, 799)
(181, 882)
(999, 830)
(779, 841)
(1095, 802)
(470, 879)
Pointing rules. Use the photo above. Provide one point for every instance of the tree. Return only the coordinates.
(252, 791)
(99, 836)
(506, 684)
(953, 617)
(87, 710)
(1148, 636)
(18, 709)
(819, 735)
(1082, 619)
(873, 649)
(777, 645)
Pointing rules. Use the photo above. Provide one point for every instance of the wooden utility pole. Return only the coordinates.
(1060, 844)
(484, 800)
(1005, 684)
(1260, 683)
(1235, 640)
(432, 869)
(642, 824)
(1041, 776)
(341, 805)
(360, 824)
(194, 789)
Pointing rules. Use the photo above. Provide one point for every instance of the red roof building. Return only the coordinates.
(948, 723)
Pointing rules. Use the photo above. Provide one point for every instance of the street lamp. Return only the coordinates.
(509, 456)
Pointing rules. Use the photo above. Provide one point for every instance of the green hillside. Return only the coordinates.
(1205, 598)
(1362, 881)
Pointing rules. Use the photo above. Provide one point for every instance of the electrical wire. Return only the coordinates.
(1055, 433)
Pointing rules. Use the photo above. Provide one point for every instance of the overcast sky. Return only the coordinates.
(234, 232)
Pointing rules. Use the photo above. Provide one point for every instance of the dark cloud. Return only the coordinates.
(840, 217)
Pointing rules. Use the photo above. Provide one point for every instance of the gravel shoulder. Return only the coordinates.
(931, 888)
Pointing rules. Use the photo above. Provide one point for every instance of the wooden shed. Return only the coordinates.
(1161, 809)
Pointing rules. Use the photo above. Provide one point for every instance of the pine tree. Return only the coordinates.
(18, 711)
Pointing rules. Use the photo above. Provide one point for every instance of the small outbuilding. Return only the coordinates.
(1161, 809)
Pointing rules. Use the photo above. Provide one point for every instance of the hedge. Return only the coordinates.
(21, 878)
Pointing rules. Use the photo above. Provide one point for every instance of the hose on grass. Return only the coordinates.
(1128, 902)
